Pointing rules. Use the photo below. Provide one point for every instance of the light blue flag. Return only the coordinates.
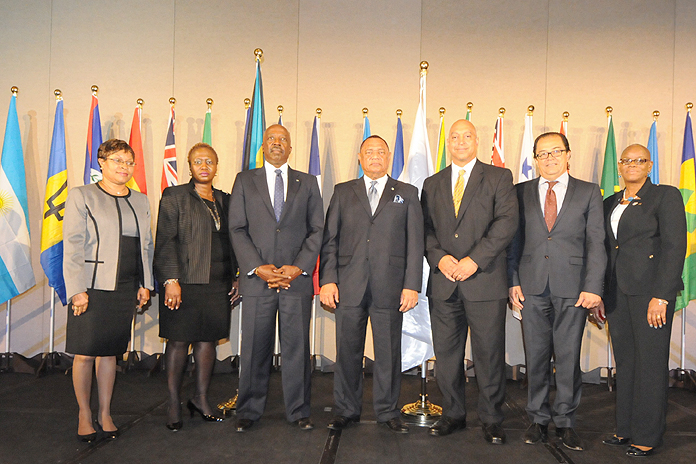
(366, 134)
(398, 163)
(654, 155)
(54, 208)
(16, 273)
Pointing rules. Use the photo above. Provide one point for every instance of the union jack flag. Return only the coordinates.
(498, 157)
(169, 173)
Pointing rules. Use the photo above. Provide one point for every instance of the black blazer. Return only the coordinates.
(258, 239)
(182, 247)
(571, 257)
(385, 249)
(487, 221)
(647, 257)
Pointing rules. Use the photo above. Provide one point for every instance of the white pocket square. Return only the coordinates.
(398, 199)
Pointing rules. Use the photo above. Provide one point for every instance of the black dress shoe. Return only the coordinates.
(395, 425)
(494, 434)
(536, 433)
(616, 441)
(639, 453)
(305, 423)
(206, 417)
(446, 425)
(244, 424)
(570, 439)
(89, 438)
(341, 422)
(110, 435)
(175, 426)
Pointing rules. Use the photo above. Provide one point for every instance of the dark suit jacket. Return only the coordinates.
(647, 258)
(385, 249)
(258, 239)
(487, 221)
(571, 257)
(182, 249)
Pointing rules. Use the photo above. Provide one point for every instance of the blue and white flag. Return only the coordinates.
(654, 155)
(527, 153)
(16, 273)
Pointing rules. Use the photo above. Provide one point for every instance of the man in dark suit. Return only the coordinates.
(373, 255)
(556, 269)
(471, 214)
(276, 221)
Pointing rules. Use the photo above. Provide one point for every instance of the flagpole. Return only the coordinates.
(314, 300)
(610, 363)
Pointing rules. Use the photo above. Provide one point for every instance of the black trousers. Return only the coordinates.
(258, 337)
(351, 326)
(451, 320)
(642, 369)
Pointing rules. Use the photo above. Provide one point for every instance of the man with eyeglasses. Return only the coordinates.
(556, 266)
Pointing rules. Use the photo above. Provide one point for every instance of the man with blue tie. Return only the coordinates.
(276, 221)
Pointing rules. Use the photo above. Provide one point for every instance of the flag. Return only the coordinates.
(139, 180)
(170, 176)
(654, 155)
(610, 173)
(280, 118)
(498, 156)
(94, 139)
(253, 141)
(441, 162)
(527, 152)
(687, 186)
(54, 208)
(416, 336)
(366, 134)
(245, 150)
(207, 130)
(16, 273)
(564, 126)
(398, 162)
(315, 170)
(469, 107)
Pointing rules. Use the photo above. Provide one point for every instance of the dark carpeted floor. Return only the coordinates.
(38, 423)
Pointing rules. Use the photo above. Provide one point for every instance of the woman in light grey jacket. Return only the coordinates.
(107, 264)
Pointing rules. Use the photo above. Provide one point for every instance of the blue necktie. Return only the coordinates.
(279, 195)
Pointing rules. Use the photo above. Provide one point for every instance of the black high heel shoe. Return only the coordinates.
(110, 435)
(89, 438)
(175, 426)
(206, 417)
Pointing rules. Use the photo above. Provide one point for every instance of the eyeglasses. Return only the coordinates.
(120, 162)
(542, 155)
(199, 162)
(636, 161)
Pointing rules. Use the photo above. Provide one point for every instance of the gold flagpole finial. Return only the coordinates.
(319, 112)
(442, 111)
(280, 110)
(566, 115)
(95, 90)
(365, 111)
(609, 110)
(258, 53)
(399, 113)
(14, 90)
(172, 101)
(656, 114)
(501, 112)
(424, 68)
(530, 110)
(140, 102)
(58, 94)
(209, 102)
(469, 106)
(689, 106)
(247, 103)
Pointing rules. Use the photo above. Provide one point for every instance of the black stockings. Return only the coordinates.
(176, 357)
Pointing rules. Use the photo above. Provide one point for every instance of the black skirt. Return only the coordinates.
(104, 329)
(204, 314)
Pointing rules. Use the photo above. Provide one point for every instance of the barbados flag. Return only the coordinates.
(94, 139)
(54, 208)
(16, 273)
(654, 154)
(687, 186)
(253, 140)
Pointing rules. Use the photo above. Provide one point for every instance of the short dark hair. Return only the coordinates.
(374, 137)
(549, 134)
(204, 146)
(112, 146)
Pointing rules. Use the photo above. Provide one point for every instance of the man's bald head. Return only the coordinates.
(462, 142)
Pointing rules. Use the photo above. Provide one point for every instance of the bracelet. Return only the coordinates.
(170, 281)
(662, 302)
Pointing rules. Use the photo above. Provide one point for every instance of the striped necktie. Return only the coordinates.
(458, 192)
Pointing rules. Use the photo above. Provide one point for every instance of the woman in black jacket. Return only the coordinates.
(646, 246)
(195, 264)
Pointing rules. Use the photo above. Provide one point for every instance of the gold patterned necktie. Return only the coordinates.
(458, 192)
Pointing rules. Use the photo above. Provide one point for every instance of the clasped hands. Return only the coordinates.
(278, 277)
(457, 270)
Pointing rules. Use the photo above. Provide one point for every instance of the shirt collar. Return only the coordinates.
(562, 179)
(381, 181)
(468, 167)
(270, 169)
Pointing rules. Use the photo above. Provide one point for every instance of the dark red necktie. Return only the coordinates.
(550, 211)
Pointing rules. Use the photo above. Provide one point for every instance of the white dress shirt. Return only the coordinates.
(559, 189)
(379, 186)
(271, 178)
(467, 173)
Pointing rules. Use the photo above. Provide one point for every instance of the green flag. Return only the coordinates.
(207, 136)
(610, 172)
